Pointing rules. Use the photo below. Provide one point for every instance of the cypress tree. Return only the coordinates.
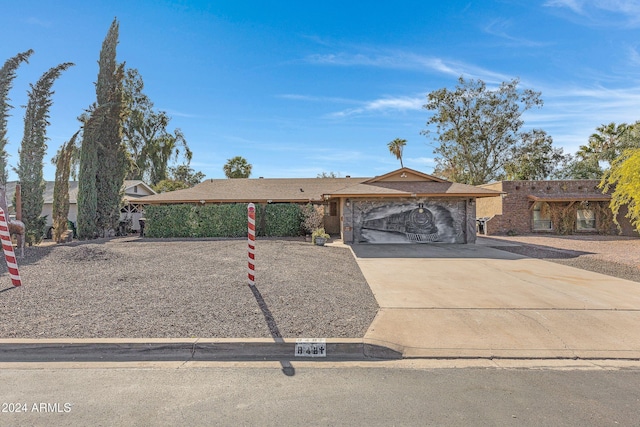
(100, 190)
(87, 195)
(32, 152)
(7, 74)
(60, 211)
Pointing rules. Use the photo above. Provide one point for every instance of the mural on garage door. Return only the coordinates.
(409, 222)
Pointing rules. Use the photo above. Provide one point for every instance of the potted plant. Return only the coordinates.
(319, 236)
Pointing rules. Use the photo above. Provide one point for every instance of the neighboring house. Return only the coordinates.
(132, 211)
(403, 206)
(567, 206)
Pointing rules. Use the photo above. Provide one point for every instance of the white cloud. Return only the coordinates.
(500, 27)
(571, 114)
(602, 12)
(634, 56)
(407, 61)
(383, 105)
(32, 20)
(311, 98)
(176, 113)
(574, 5)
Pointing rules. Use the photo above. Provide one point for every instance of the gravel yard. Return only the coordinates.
(173, 288)
(612, 255)
(146, 288)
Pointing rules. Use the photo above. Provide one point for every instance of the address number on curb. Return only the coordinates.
(311, 347)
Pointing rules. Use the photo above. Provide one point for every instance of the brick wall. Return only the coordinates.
(511, 212)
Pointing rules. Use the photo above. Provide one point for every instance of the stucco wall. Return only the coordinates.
(489, 206)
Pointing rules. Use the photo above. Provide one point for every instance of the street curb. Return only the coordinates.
(141, 350)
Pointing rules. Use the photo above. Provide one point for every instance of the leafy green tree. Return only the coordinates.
(395, 148)
(328, 175)
(167, 185)
(32, 151)
(477, 128)
(7, 74)
(60, 210)
(624, 178)
(103, 159)
(150, 145)
(181, 177)
(534, 157)
(184, 173)
(237, 167)
(573, 167)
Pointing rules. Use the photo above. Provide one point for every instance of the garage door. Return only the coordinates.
(414, 221)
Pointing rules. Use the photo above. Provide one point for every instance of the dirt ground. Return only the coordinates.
(612, 255)
(147, 288)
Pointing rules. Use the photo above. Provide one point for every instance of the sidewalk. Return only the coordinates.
(472, 301)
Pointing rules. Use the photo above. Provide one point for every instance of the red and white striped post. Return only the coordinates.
(7, 247)
(252, 243)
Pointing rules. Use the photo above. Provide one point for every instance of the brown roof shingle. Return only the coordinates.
(243, 190)
(301, 190)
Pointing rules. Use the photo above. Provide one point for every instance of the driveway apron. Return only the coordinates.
(473, 301)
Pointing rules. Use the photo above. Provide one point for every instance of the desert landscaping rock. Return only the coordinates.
(147, 288)
(183, 288)
(616, 256)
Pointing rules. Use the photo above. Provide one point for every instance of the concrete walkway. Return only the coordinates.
(473, 301)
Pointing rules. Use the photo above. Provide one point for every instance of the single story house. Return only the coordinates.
(562, 206)
(403, 206)
(131, 211)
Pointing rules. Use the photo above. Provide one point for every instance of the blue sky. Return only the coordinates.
(298, 88)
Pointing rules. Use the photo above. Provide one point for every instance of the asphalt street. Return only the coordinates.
(267, 394)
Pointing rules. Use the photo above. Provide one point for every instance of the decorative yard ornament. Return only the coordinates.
(15, 226)
(7, 247)
(252, 243)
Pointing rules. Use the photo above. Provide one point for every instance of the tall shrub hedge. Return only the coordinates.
(224, 220)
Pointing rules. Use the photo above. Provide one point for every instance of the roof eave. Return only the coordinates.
(398, 195)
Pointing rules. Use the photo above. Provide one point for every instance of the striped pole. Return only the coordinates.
(7, 247)
(252, 243)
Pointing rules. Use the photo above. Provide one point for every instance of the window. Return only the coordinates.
(331, 209)
(541, 220)
(586, 220)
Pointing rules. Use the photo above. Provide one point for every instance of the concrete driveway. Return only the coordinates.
(475, 301)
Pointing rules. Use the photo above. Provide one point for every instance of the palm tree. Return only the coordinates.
(395, 148)
(606, 144)
(237, 167)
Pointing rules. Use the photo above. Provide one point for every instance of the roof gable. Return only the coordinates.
(405, 175)
(131, 188)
